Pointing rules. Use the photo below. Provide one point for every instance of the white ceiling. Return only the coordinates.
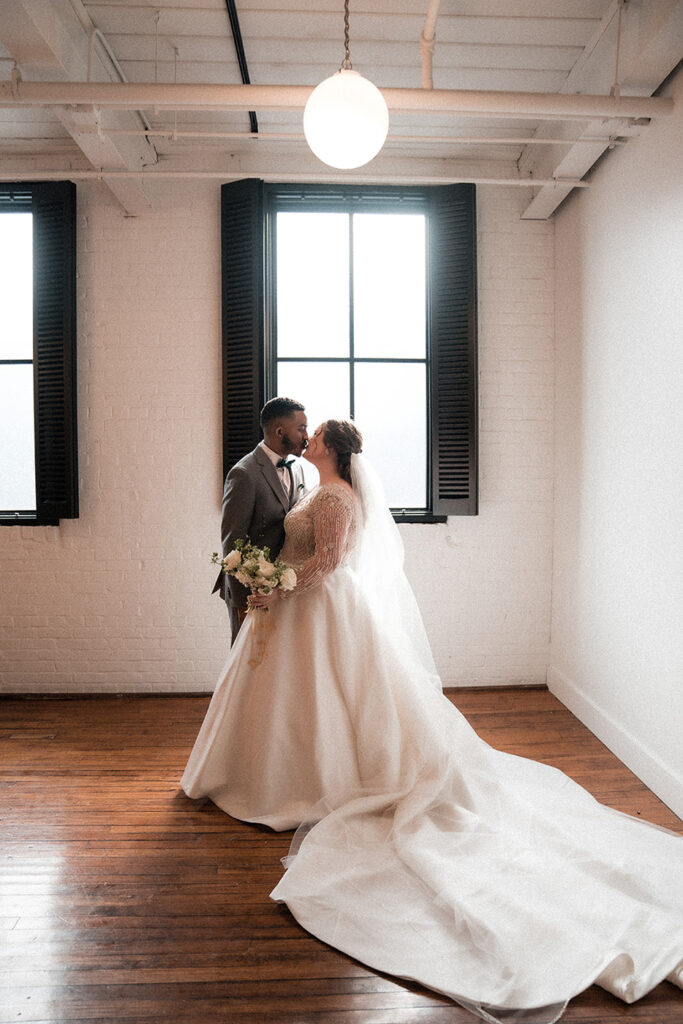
(534, 46)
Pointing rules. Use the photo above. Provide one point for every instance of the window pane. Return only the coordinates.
(389, 285)
(391, 414)
(16, 286)
(312, 284)
(322, 387)
(17, 452)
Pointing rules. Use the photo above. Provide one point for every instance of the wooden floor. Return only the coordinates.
(121, 900)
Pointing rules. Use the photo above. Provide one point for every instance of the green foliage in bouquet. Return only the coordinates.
(254, 569)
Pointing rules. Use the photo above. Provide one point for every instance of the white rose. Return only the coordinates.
(243, 577)
(265, 567)
(288, 579)
(232, 560)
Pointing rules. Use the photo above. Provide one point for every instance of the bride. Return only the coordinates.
(421, 850)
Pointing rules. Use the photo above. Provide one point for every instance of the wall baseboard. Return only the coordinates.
(648, 766)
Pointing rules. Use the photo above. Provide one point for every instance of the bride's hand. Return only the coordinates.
(262, 600)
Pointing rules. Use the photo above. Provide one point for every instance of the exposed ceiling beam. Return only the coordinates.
(54, 40)
(650, 48)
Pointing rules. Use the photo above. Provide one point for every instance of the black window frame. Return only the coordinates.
(248, 207)
(53, 205)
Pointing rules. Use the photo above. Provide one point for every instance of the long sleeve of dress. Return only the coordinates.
(333, 518)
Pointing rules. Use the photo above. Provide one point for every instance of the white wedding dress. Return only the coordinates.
(423, 852)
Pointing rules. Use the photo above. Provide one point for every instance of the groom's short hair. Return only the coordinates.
(278, 409)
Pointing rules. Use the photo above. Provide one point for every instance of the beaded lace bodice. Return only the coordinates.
(320, 534)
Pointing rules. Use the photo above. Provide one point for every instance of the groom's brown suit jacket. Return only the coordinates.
(254, 507)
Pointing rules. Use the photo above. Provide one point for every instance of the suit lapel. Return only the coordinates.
(270, 473)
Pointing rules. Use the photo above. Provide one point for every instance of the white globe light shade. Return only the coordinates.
(346, 120)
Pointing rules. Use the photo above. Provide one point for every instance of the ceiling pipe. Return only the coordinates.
(427, 40)
(94, 33)
(465, 140)
(184, 96)
(147, 175)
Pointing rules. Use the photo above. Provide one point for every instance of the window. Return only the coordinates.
(38, 463)
(359, 301)
(350, 324)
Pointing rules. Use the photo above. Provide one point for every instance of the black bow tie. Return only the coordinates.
(285, 462)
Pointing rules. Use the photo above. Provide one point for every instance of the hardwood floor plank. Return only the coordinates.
(123, 901)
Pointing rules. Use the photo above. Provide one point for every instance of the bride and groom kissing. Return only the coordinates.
(425, 853)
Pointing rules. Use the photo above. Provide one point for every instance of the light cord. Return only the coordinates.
(346, 63)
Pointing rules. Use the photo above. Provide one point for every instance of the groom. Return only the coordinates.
(259, 491)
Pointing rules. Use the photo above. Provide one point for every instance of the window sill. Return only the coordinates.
(416, 517)
(25, 519)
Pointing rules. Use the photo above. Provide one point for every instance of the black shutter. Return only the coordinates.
(243, 306)
(453, 339)
(54, 349)
(15, 196)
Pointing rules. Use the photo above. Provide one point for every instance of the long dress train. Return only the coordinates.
(423, 852)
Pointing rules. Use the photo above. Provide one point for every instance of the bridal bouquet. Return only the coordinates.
(253, 568)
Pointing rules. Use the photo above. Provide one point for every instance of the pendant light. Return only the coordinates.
(346, 118)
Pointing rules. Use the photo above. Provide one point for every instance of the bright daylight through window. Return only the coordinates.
(351, 334)
(17, 452)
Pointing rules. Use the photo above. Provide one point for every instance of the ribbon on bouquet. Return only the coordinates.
(260, 628)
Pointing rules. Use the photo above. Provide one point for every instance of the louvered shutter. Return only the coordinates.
(243, 305)
(54, 343)
(15, 196)
(453, 335)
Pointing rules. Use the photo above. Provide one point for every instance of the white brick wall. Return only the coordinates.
(119, 599)
(494, 569)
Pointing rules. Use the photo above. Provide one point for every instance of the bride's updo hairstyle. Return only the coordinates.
(345, 440)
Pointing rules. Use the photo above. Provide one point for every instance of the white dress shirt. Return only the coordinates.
(282, 471)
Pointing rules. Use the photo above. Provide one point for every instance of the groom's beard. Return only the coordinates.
(293, 446)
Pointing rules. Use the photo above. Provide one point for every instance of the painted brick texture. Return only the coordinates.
(119, 599)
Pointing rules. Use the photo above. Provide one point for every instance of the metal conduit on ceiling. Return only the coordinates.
(241, 56)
